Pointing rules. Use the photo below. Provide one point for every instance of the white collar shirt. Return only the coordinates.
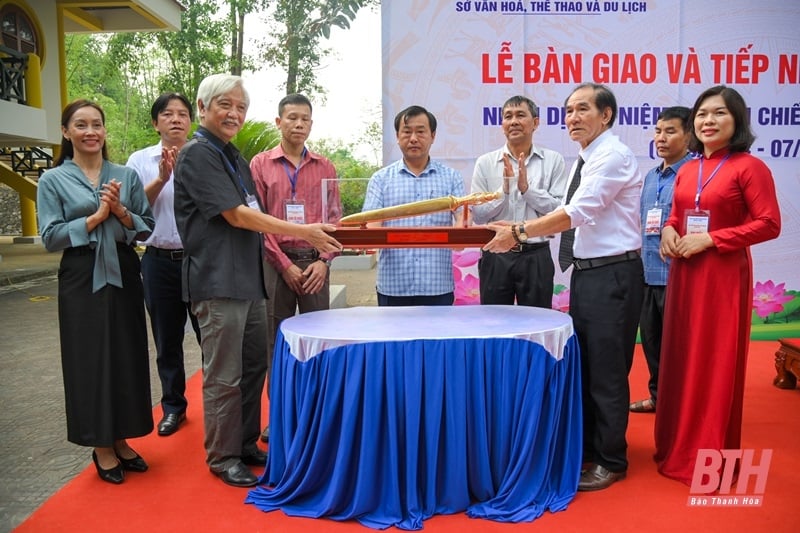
(605, 207)
(165, 235)
(547, 181)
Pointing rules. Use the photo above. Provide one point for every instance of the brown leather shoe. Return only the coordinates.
(643, 406)
(598, 477)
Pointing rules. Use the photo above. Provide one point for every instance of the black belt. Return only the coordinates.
(175, 255)
(302, 254)
(586, 264)
(529, 247)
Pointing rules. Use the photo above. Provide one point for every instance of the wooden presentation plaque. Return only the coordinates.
(413, 237)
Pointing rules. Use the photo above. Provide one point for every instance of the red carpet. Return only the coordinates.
(179, 494)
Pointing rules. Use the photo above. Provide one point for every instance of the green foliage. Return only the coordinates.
(92, 73)
(198, 50)
(256, 137)
(341, 155)
(352, 193)
(353, 173)
(295, 47)
(238, 9)
(126, 72)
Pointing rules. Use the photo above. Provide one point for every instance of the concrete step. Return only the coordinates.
(338, 296)
(354, 262)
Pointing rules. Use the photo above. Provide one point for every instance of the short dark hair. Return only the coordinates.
(411, 112)
(163, 101)
(676, 112)
(67, 150)
(743, 137)
(603, 98)
(519, 100)
(294, 99)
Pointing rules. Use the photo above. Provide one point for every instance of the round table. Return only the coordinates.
(389, 415)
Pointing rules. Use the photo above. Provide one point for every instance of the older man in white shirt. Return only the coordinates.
(601, 207)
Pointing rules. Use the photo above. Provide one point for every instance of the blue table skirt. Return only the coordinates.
(390, 433)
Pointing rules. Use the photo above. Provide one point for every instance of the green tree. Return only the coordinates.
(236, 16)
(197, 50)
(93, 74)
(125, 72)
(296, 39)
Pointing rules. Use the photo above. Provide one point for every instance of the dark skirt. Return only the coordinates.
(104, 351)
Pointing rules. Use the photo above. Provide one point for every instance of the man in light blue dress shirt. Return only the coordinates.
(414, 276)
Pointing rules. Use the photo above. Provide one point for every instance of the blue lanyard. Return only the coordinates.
(227, 162)
(660, 186)
(293, 176)
(700, 184)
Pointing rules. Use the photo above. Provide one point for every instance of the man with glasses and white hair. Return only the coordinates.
(220, 220)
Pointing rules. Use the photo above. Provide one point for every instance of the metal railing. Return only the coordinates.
(30, 161)
(13, 65)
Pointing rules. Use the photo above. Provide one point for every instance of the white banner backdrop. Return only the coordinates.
(462, 59)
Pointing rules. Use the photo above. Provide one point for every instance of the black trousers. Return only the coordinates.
(605, 304)
(385, 300)
(522, 277)
(651, 325)
(161, 277)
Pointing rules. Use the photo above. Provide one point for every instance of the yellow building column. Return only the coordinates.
(33, 97)
(27, 211)
(33, 81)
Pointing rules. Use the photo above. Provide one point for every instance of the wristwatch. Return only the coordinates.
(523, 237)
(326, 261)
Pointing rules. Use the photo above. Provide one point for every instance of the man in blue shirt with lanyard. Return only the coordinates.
(672, 145)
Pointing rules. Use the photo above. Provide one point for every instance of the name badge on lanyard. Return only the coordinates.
(697, 220)
(252, 202)
(653, 221)
(295, 211)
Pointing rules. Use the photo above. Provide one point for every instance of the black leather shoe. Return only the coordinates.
(136, 464)
(170, 423)
(598, 477)
(265, 435)
(257, 458)
(237, 476)
(113, 475)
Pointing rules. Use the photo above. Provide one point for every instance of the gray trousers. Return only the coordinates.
(283, 303)
(234, 341)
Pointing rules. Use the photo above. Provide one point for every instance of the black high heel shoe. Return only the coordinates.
(112, 475)
(136, 464)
